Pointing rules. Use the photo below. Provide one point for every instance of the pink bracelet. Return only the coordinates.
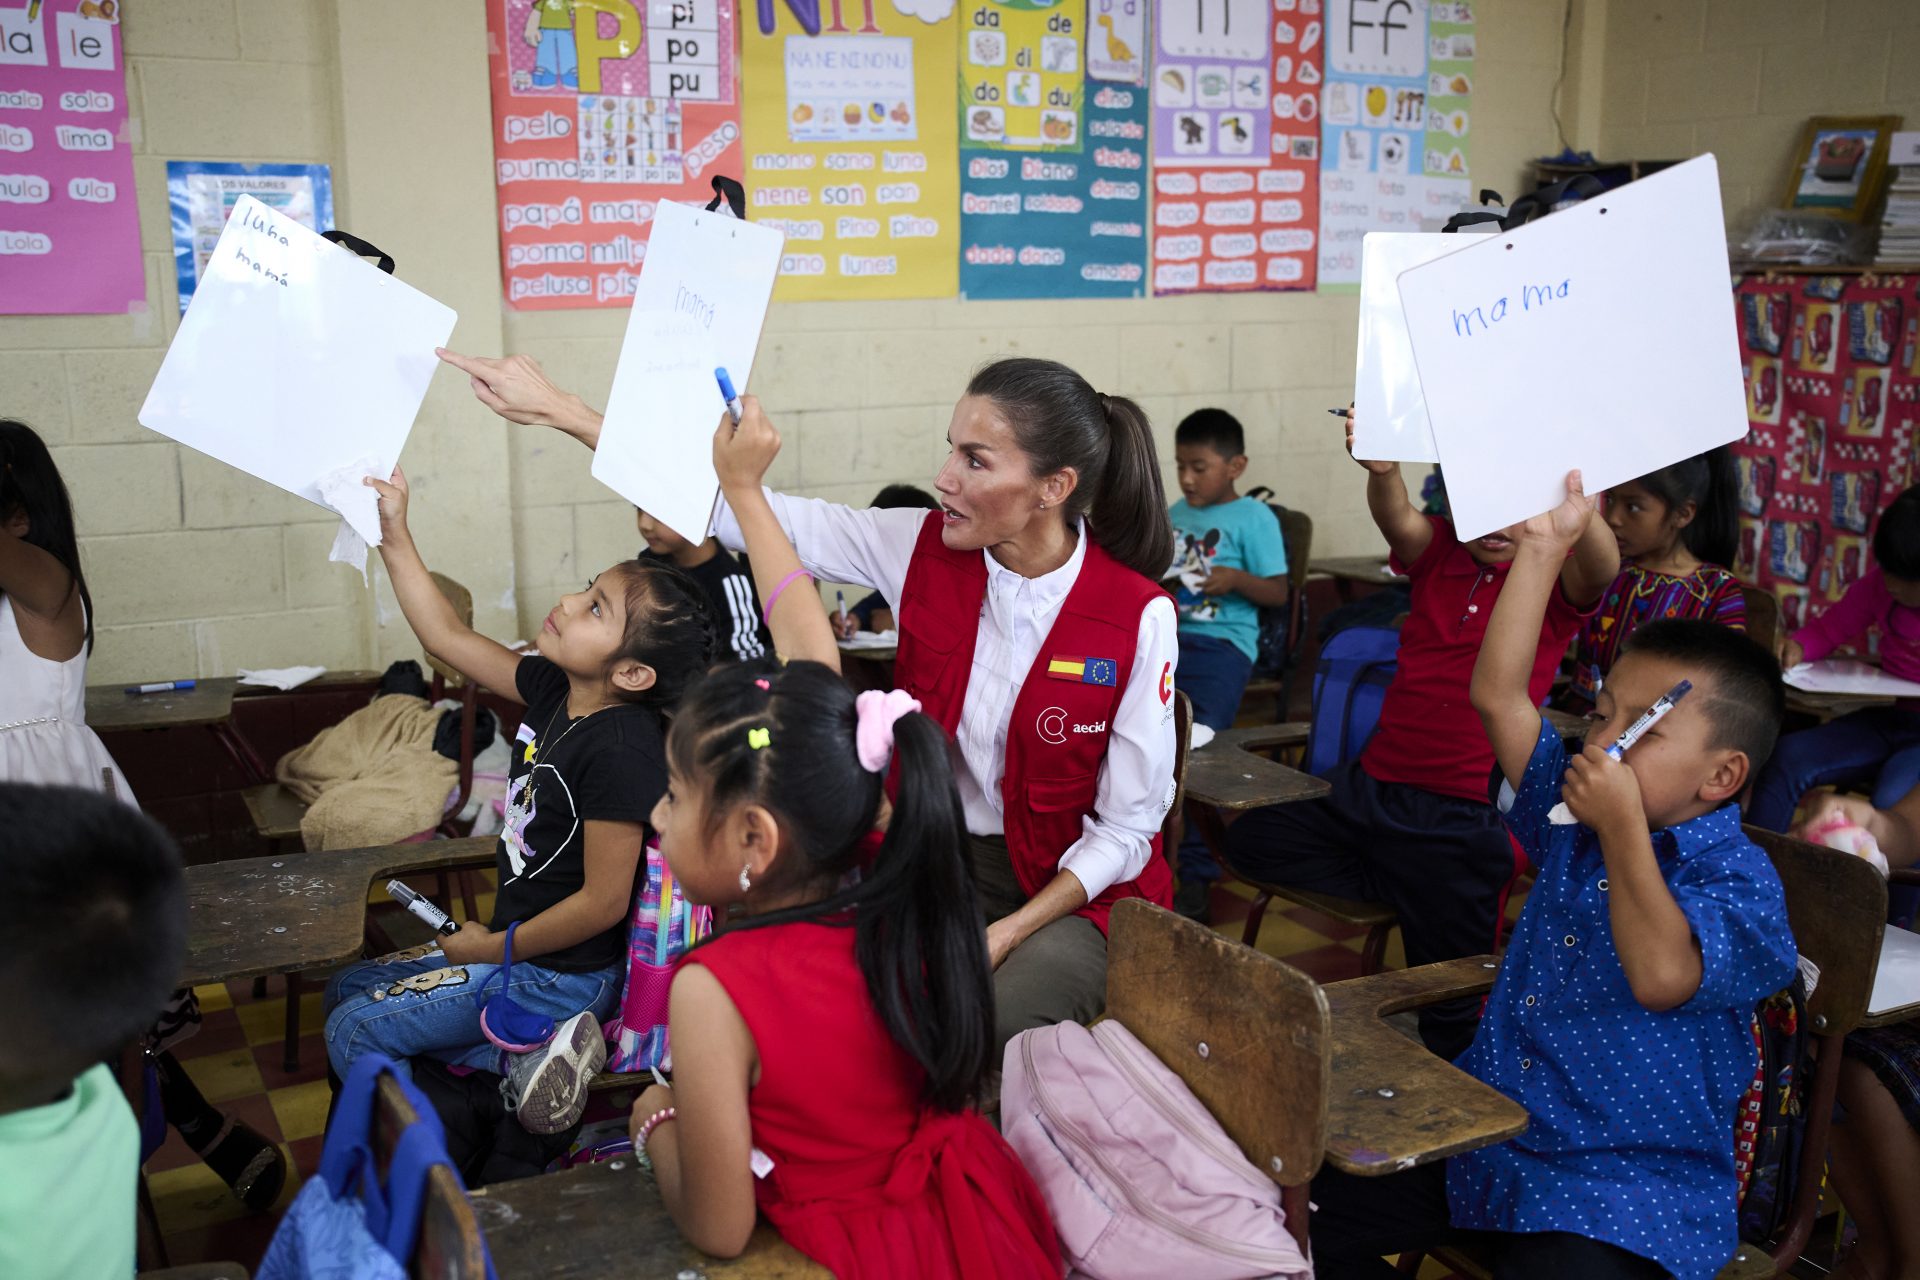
(766, 614)
(654, 1121)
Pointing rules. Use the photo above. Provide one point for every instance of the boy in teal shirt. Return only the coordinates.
(95, 918)
(1229, 563)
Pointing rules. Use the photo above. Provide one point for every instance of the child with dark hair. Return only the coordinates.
(1676, 528)
(829, 1046)
(727, 582)
(95, 921)
(586, 768)
(1621, 1015)
(1880, 745)
(1229, 563)
(873, 613)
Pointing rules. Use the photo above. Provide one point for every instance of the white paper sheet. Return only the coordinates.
(1390, 417)
(1848, 675)
(1600, 337)
(871, 640)
(281, 677)
(297, 362)
(700, 303)
(1897, 981)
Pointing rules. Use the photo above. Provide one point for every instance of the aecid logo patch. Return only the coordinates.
(1054, 727)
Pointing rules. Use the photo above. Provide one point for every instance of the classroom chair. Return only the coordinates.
(1763, 616)
(449, 1245)
(1836, 906)
(277, 812)
(1296, 534)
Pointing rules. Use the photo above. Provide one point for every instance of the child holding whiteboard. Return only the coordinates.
(1676, 528)
(830, 1045)
(1881, 744)
(1876, 1135)
(1409, 822)
(586, 768)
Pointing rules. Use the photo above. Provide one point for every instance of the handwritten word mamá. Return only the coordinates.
(273, 277)
(687, 301)
(1532, 298)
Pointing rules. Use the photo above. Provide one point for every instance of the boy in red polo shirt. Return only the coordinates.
(1410, 823)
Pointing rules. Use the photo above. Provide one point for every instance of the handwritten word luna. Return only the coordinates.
(1533, 297)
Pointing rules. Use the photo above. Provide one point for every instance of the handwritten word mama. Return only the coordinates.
(1532, 298)
(685, 300)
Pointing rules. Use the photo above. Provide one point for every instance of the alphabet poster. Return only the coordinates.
(1395, 120)
(601, 110)
(852, 145)
(1020, 74)
(1042, 223)
(69, 227)
(1235, 143)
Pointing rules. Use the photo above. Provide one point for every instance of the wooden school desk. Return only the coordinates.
(1349, 572)
(111, 709)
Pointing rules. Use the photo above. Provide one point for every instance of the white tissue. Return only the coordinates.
(346, 491)
(1560, 816)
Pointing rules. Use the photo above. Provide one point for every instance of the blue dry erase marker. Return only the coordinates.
(728, 394)
(163, 686)
(1638, 728)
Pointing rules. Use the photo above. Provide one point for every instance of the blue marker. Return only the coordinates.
(164, 686)
(1638, 728)
(728, 394)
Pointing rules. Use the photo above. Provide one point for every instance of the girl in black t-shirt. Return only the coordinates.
(586, 769)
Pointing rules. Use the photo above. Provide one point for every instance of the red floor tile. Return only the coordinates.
(174, 1153)
(1325, 925)
(1333, 963)
(313, 1061)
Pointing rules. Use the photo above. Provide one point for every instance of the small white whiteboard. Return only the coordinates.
(1896, 983)
(296, 358)
(702, 298)
(1389, 415)
(1600, 337)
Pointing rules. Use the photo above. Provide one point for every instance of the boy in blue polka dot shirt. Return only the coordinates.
(1620, 1018)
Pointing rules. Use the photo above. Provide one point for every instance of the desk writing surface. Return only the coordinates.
(1225, 776)
(601, 1220)
(1355, 568)
(255, 916)
(111, 708)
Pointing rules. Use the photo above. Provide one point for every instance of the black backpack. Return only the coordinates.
(1772, 1123)
(1275, 653)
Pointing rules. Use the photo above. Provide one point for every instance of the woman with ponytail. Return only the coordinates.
(1031, 629)
(829, 1045)
(1676, 528)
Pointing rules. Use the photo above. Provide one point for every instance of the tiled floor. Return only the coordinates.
(236, 1061)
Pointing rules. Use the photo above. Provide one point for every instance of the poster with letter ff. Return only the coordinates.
(1236, 144)
(601, 110)
(1053, 146)
(851, 147)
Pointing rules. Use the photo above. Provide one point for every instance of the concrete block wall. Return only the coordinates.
(862, 391)
(1740, 77)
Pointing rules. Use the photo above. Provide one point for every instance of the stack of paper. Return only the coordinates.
(1900, 225)
(1851, 676)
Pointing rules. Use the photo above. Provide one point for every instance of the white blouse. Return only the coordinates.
(872, 547)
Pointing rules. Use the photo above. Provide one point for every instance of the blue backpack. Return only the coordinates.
(1349, 685)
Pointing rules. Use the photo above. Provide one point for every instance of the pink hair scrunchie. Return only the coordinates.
(873, 731)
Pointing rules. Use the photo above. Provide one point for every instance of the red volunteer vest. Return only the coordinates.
(1059, 730)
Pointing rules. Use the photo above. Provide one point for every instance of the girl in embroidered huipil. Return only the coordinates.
(828, 1046)
(1676, 528)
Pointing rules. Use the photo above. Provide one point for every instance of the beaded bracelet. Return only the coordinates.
(766, 613)
(654, 1121)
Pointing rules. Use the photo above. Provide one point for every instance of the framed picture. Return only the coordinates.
(1840, 164)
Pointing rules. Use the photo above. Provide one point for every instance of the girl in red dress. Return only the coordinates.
(829, 1047)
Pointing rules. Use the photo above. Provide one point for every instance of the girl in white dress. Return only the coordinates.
(46, 634)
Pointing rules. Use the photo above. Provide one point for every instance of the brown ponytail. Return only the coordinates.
(1059, 420)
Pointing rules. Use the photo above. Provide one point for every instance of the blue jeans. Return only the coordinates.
(1213, 674)
(413, 1002)
(556, 59)
(1880, 745)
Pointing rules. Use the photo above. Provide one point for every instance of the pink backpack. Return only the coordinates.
(1141, 1180)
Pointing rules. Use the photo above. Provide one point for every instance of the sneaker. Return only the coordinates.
(1194, 900)
(547, 1089)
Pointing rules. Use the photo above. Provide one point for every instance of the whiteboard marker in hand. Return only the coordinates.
(418, 905)
(728, 394)
(1560, 815)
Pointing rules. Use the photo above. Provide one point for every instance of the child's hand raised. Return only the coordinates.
(1561, 527)
(393, 505)
(1603, 793)
(1376, 467)
(742, 454)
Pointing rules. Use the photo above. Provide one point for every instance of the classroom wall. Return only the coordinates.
(198, 570)
(1740, 77)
